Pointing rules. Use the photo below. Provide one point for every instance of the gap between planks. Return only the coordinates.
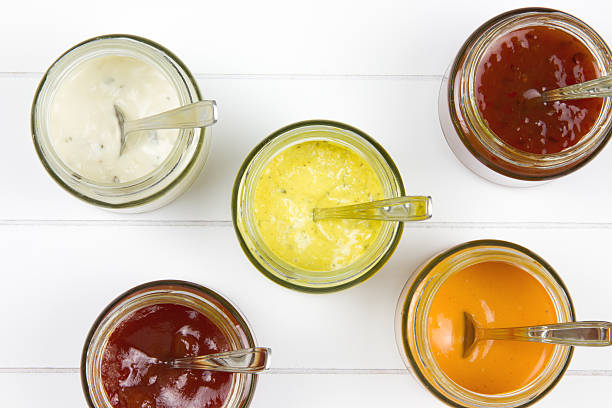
(227, 224)
(291, 371)
(282, 77)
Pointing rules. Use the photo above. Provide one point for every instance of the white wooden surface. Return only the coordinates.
(375, 65)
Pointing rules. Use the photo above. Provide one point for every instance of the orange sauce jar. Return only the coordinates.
(500, 284)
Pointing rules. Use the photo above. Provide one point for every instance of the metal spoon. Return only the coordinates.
(595, 88)
(194, 115)
(251, 360)
(407, 208)
(594, 334)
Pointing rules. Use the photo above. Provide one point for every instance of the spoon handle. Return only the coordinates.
(250, 360)
(595, 88)
(592, 334)
(194, 115)
(407, 208)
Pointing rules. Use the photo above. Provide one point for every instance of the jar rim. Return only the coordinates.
(191, 92)
(518, 164)
(237, 219)
(228, 306)
(423, 272)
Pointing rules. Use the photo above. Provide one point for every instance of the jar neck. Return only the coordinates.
(482, 141)
(141, 191)
(426, 285)
(205, 301)
(269, 263)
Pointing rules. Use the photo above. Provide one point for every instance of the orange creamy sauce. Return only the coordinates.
(497, 294)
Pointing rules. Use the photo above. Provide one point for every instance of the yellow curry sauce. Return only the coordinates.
(308, 175)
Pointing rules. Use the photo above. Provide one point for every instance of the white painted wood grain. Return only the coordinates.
(399, 112)
(270, 63)
(271, 36)
(62, 390)
(61, 277)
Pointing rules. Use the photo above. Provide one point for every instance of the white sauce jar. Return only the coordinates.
(157, 174)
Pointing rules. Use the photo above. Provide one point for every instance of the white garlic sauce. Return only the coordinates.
(83, 127)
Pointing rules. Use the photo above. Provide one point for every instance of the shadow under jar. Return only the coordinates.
(521, 287)
(460, 105)
(138, 304)
(340, 143)
(163, 176)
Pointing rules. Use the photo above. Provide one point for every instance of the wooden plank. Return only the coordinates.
(61, 277)
(59, 390)
(268, 64)
(271, 36)
(399, 113)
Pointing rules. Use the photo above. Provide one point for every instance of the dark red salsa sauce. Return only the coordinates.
(131, 376)
(523, 64)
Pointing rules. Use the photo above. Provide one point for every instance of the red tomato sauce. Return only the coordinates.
(523, 64)
(132, 375)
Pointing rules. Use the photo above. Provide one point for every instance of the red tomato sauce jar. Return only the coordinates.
(487, 106)
(159, 321)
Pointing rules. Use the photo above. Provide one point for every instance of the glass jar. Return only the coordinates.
(176, 173)
(207, 302)
(250, 239)
(468, 135)
(415, 302)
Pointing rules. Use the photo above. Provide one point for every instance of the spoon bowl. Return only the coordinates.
(595, 88)
(194, 115)
(587, 333)
(407, 208)
(251, 360)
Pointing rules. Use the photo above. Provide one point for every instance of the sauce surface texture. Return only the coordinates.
(518, 67)
(83, 127)
(131, 376)
(497, 294)
(309, 175)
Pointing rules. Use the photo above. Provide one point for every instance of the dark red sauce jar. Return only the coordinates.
(164, 320)
(482, 108)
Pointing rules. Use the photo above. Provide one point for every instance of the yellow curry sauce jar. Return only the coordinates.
(354, 159)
